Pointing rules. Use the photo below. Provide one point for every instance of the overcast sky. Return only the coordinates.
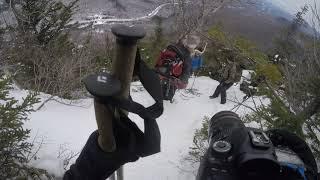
(293, 6)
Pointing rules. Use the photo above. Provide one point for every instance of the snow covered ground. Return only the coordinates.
(64, 129)
(294, 6)
(98, 19)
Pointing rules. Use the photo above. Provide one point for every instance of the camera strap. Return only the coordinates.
(300, 170)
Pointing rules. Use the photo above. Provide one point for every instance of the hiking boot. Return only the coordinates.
(213, 96)
(223, 100)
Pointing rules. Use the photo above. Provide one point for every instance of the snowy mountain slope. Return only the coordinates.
(293, 6)
(260, 21)
(65, 129)
(120, 9)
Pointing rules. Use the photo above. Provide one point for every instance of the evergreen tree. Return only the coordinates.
(45, 19)
(295, 102)
(42, 52)
(152, 46)
(224, 46)
(200, 142)
(14, 147)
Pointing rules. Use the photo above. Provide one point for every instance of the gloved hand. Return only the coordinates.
(131, 142)
(93, 163)
(280, 137)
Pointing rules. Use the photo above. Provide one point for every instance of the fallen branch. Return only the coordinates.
(52, 98)
(44, 102)
(242, 104)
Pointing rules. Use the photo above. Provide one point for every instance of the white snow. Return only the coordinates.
(99, 19)
(294, 6)
(64, 130)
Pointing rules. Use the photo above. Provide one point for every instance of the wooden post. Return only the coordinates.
(122, 68)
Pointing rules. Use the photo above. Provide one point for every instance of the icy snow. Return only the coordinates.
(99, 19)
(64, 130)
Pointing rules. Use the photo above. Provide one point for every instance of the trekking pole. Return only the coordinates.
(122, 69)
(123, 65)
(194, 79)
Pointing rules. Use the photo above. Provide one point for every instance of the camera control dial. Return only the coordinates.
(221, 147)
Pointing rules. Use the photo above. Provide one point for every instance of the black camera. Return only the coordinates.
(238, 152)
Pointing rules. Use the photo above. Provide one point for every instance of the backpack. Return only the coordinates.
(170, 62)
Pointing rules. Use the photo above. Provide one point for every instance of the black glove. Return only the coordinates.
(285, 138)
(93, 163)
(132, 143)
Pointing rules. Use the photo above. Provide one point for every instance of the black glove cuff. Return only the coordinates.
(94, 163)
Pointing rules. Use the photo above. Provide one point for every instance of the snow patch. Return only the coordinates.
(100, 19)
(65, 128)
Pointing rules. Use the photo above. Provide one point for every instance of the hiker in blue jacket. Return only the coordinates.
(197, 59)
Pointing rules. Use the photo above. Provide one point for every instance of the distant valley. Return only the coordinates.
(259, 21)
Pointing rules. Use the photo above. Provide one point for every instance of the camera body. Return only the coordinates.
(238, 152)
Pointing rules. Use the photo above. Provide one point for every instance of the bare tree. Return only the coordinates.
(190, 15)
(119, 5)
(44, 18)
(58, 68)
(66, 155)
